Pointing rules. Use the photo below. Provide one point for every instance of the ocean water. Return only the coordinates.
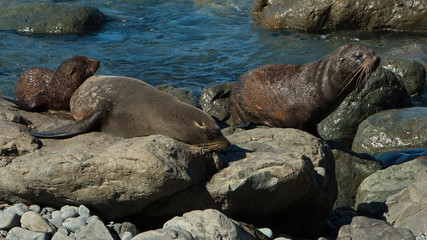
(187, 43)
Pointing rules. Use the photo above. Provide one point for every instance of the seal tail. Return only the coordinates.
(89, 123)
(26, 106)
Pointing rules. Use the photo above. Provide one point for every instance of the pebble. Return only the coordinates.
(8, 220)
(18, 233)
(61, 236)
(84, 212)
(18, 208)
(72, 224)
(266, 231)
(34, 222)
(96, 229)
(69, 211)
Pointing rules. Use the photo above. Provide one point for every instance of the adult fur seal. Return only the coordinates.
(39, 89)
(300, 96)
(128, 107)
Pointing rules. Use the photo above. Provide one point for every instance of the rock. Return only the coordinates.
(40, 18)
(408, 208)
(84, 212)
(18, 208)
(73, 224)
(329, 14)
(181, 94)
(18, 233)
(362, 228)
(94, 230)
(34, 222)
(382, 90)
(125, 229)
(392, 130)
(209, 224)
(265, 165)
(351, 171)
(8, 220)
(113, 176)
(214, 100)
(412, 74)
(69, 212)
(410, 52)
(164, 234)
(384, 183)
(61, 236)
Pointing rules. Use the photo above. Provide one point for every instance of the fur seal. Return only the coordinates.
(300, 96)
(128, 107)
(40, 89)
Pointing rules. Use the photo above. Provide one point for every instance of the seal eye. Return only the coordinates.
(199, 124)
(357, 56)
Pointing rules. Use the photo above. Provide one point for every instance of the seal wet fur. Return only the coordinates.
(300, 96)
(40, 89)
(128, 107)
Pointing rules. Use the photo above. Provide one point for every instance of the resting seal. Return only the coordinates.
(39, 89)
(128, 107)
(300, 96)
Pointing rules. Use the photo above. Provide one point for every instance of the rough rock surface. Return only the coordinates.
(363, 228)
(408, 208)
(181, 94)
(384, 183)
(113, 176)
(351, 171)
(412, 74)
(392, 130)
(399, 15)
(40, 18)
(214, 100)
(382, 90)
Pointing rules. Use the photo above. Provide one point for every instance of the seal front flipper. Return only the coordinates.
(26, 106)
(91, 122)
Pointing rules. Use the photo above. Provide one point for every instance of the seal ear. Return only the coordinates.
(200, 124)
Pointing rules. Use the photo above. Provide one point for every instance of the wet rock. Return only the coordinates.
(214, 100)
(410, 52)
(412, 75)
(351, 171)
(392, 130)
(367, 228)
(408, 208)
(384, 183)
(329, 14)
(181, 94)
(382, 90)
(41, 18)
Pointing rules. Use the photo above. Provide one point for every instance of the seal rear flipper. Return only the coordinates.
(26, 106)
(91, 122)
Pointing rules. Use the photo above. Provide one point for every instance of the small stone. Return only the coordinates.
(96, 230)
(18, 208)
(63, 231)
(34, 222)
(56, 214)
(8, 220)
(72, 224)
(92, 219)
(57, 222)
(46, 210)
(266, 231)
(84, 212)
(3, 233)
(35, 208)
(127, 236)
(61, 236)
(69, 212)
(18, 233)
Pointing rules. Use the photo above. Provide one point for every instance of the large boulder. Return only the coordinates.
(353, 14)
(392, 130)
(408, 208)
(412, 74)
(43, 18)
(384, 183)
(362, 228)
(382, 90)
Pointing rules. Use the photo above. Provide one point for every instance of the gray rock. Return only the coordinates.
(363, 228)
(181, 94)
(410, 52)
(125, 229)
(69, 211)
(412, 75)
(8, 220)
(57, 222)
(94, 231)
(56, 214)
(214, 100)
(18, 208)
(84, 212)
(35, 208)
(92, 219)
(61, 236)
(350, 172)
(408, 208)
(392, 130)
(73, 224)
(382, 90)
(209, 224)
(18, 233)
(34, 222)
(39, 18)
(384, 183)
(164, 234)
(328, 14)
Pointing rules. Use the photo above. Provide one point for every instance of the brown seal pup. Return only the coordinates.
(300, 96)
(39, 89)
(128, 107)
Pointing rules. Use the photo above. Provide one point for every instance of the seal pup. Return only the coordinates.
(300, 96)
(40, 89)
(128, 107)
